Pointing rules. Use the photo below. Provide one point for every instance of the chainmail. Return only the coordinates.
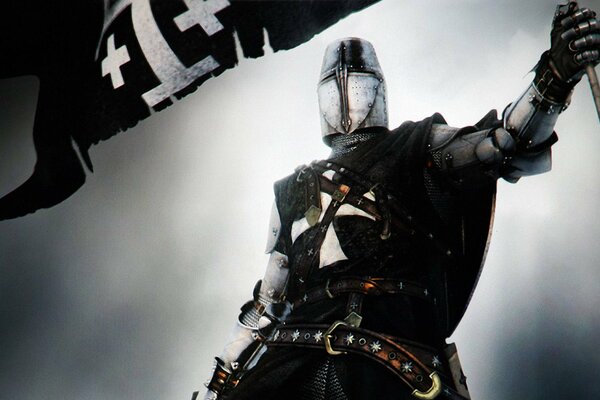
(343, 144)
(323, 384)
(442, 202)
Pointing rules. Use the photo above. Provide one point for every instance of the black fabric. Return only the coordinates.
(397, 161)
(66, 44)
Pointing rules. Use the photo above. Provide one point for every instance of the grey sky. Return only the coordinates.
(129, 288)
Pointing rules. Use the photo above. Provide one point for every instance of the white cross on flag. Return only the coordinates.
(103, 67)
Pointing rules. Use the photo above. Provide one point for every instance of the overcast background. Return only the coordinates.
(128, 289)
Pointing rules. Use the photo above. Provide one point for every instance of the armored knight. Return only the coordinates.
(374, 252)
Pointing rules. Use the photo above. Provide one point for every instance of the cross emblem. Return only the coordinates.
(201, 13)
(310, 252)
(115, 58)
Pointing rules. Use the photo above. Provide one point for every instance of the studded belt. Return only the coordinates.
(417, 366)
(370, 286)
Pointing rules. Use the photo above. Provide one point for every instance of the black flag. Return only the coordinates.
(105, 65)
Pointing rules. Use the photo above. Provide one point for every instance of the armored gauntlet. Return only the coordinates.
(575, 42)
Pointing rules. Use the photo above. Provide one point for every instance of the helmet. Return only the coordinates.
(351, 89)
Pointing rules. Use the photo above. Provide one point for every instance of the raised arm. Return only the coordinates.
(521, 145)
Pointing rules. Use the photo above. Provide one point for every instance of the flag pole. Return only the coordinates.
(593, 79)
(594, 85)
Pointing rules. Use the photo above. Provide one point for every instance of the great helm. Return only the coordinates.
(351, 88)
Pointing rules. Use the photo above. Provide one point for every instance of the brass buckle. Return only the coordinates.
(433, 391)
(353, 320)
(328, 336)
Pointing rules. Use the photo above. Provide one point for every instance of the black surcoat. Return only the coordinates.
(442, 250)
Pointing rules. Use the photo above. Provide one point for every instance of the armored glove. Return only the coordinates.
(575, 42)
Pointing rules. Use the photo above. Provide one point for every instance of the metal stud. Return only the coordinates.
(318, 336)
(375, 346)
(349, 339)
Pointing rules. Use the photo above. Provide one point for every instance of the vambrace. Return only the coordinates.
(531, 119)
(246, 342)
(269, 294)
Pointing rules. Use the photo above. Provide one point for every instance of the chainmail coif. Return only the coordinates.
(343, 144)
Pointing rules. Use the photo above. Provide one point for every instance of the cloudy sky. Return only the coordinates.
(128, 289)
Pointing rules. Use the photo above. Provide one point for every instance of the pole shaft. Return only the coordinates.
(593, 78)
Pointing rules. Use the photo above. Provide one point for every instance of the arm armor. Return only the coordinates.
(243, 348)
(531, 121)
(520, 148)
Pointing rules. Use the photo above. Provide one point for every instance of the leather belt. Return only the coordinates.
(367, 286)
(417, 366)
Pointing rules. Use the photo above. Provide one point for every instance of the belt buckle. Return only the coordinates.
(328, 336)
(433, 391)
(352, 320)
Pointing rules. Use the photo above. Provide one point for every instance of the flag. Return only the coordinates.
(103, 66)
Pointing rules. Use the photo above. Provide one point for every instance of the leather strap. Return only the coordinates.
(304, 260)
(365, 286)
(391, 209)
(413, 364)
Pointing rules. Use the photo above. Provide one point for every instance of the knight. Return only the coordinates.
(375, 251)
